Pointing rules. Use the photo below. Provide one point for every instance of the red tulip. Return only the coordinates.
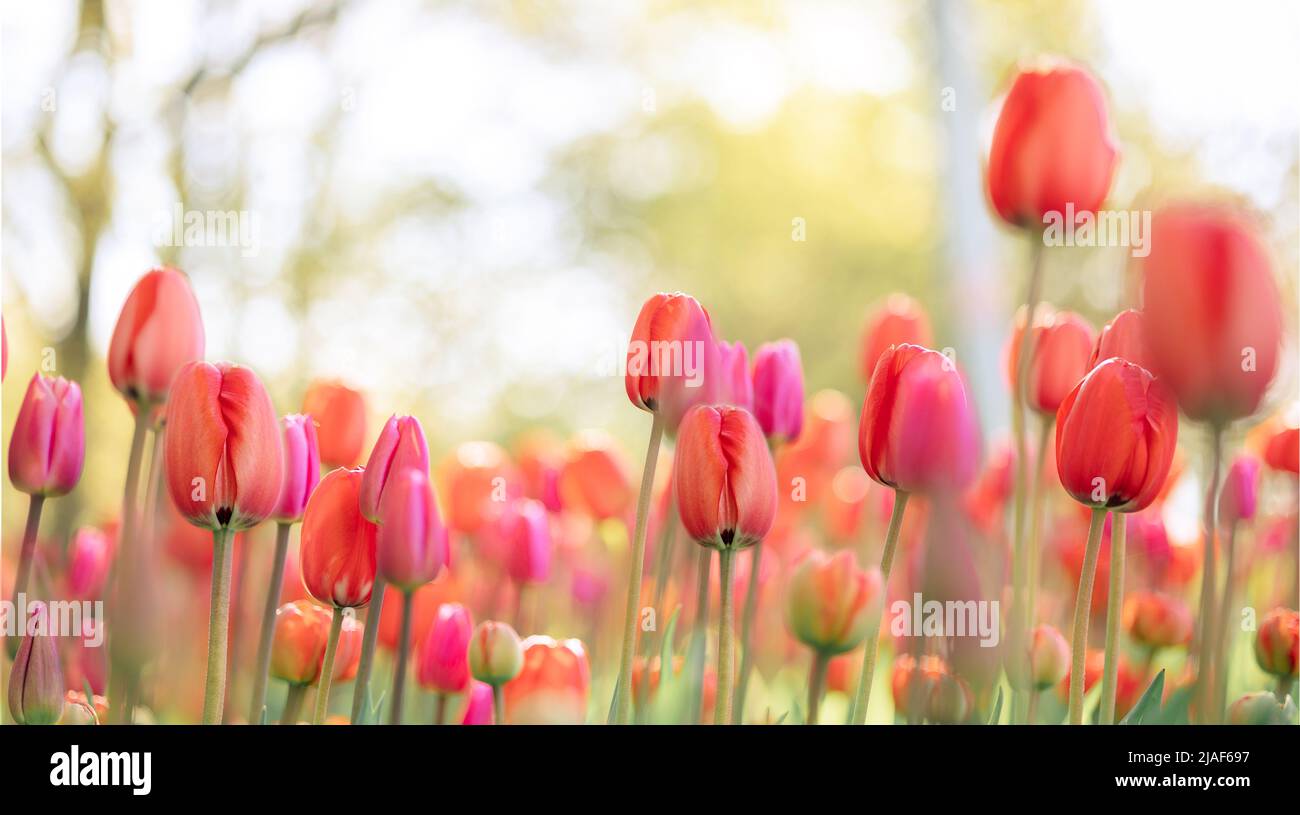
(301, 467)
(1277, 643)
(411, 544)
(595, 478)
(900, 320)
(1240, 493)
(400, 446)
(540, 458)
(778, 390)
(672, 358)
(48, 446)
(1063, 346)
(89, 557)
(831, 601)
(1115, 437)
(1157, 620)
(298, 649)
(1122, 337)
(476, 479)
(527, 531)
(442, 664)
(223, 453)
(478, 708)
(1052, 147)
(724, 476)
(157, 333)
(337, 550)
(1213, 318)
(1282, 450)
(918, 431)
(734, 385)
(553, 686)
(340, 414)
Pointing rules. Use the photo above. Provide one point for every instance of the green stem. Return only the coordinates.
(327, 668)
(1223, 631)
(1114, 606)
(1082, 610)
(817, 684)
(1032, 568)
(403, 650)
(214, 687)
(368, 640)
(699, 636)
(1209, 579)
(663, 563)
(28, 553)
(748, 615)
(267, 634)
(858, 712)
(623, 700)
(726, 639)
(293, 704)
(440, 709)
(127, 533)
(498, 705)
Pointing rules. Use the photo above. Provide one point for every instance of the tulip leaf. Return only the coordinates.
(781, 719)
(1150, 701)
(1175, 711)
(997, 708)
(671, 700)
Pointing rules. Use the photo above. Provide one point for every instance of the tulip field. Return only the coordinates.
(1097, 522)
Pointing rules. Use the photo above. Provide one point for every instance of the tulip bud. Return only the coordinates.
(36, 681)
(900, 320)
(951, 700)
(672, 358)
(337, 549)
(918, 429)
(1115, 437)
(1157, 620)
(1062, 349)
(1122, 337)
(158, 331)
(553, 686)
(1052, 148)
(301, 467)
(913, 683)
(340, 414)
(1240, 491)
(478, 708)
(527, 531)
(78, 710)
(1262, 707)
(411, 543)
(1277, 641)
(595, 478)
(540, 458)
(298, 648)
(475, 480)
(778, 390)
(442, 664)
(223, 449)
(495, 654)
(1282, 450)
(400, 446)
(734, 385)
(48, 445)
(831, 602)
(725, 479)
(1049, 657)
(89, 557)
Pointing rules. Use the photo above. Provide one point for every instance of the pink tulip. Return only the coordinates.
(735, 387)
(778, 390)
(1240, 493)
(48, 445)
(411, 546)
(301, 467)
(478, 709)
(526, 528)
(89, 557)
(400, 446)
(443, 662)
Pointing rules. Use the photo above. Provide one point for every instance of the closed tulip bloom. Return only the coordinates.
(900, 320)
(1049, 657)
(1240, 492)
(301, 467)
(442, 664)
(400, 446)
(472, 478)
(1282, 450)
(1062, 352)
(527, 531)
(1122, 337)
(301, 631)
(778, 390)
(595, 477)
(1262, 707)
(478, 708)
(951, 700)
(36, 680)
(411, 543)
(672, 358)
(88, 560)
(1157, 620)
(1276, 642)
(724, 476)
(337, 550)
(495, 653)
(734, 385)
(918, 431)
(159, 330)
(1213, 316)
(340, 414)
(539, 456)
(1052, 145)
(223, 449)
(1115, 437)
(553, 686)
(830, 601)
(48, 445)
(911, 683)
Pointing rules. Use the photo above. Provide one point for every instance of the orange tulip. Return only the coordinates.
(1157, 620)
(1277, 643)
(158, 331)
(672, 358)
(301, 628)
(830, 601)
(553, 686)
(476, 479)
(337, 551)
(595, 478)
(340, 414)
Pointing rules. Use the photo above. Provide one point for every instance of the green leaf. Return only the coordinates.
(997, 708)
(1175, 711)
(1149, 702)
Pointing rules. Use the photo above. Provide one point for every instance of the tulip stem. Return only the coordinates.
(699, 636)
(327, 668)
(858, 711)
(1033, 553)
(440, 709)
(623, 691)
(1082, 610)
(747, 632)
(663, 562)
(368, 640)
(126, 539)
(726, 639)
(1032, 716)
(1114, 606)
(1223, 631)
(403, 651)
(1205, 637)
(214, 688)
(816, 684)
(292, 704)
(498, 705)
(268, 623)
(28, 553)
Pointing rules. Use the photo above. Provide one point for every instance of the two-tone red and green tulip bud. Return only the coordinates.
(1262, 707)
(1062, 350)
(724, 477)
(1277, 642)
(495, 653)
(900, 320)
(158, 331)
(337, 554)
(1049, 657)
(48, 446)
(1240, 493)
(1157, 620)
(831, 602)
(526, 530)
(554, 685)
(672, 358)
(301, 467)
(36, 680)
(340, 414)
(442, 663)
(411, 544)
(778, 390)
(401, 446)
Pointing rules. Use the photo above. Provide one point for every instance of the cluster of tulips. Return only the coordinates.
(760, 479)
